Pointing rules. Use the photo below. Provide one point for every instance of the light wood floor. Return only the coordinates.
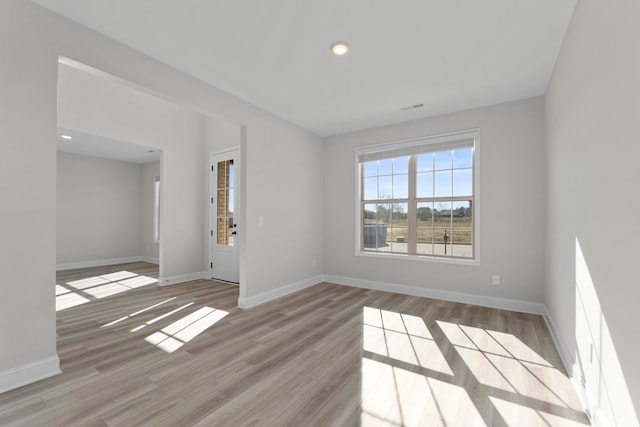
(327, 356)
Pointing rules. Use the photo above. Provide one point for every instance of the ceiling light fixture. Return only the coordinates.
(67, 137)
(339, 48)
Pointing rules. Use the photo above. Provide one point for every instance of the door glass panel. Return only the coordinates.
(225, 199)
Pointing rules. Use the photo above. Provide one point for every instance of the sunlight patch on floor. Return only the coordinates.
(180, 332)
(401, 337)
(519, 415)
(137, 312)
(503, 361)
(407, 380)
(79, 292)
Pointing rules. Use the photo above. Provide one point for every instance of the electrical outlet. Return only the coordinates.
(495, 279)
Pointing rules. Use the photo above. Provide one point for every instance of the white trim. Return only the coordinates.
(174, 280)
(426, 141)
(98, 262)
(430, 140)
(252, 301)
(421, 258)
(484, 301)
(108, 261)
(29, 373)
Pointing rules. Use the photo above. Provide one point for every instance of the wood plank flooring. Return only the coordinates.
(330, 355)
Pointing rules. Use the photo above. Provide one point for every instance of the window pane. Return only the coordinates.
(400, 186)
(399, 214)
(385, 167)
(425, 235)
(370, 188)
(424, 245)
(383, 213)
(442, 214)
(443, 184)
(442, 241)
(462, 214)
(443, 160)
(221, 237)
(398, 239)
(231, 196)
(424, 214)
(401, 165)
(424, 162)
(370, 169)
(385, 187)
(424, 184)
(462, 158)
(424, 228)
(462, 182)
(461, 236)
(374, 233)
(461, 244)
(369, 215)
(222, 174)
(222, 202)
(231, 174)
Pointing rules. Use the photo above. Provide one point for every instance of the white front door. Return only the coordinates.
(224, 215)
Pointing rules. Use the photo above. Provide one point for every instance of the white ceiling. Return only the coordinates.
(106, 148)
(449, 55)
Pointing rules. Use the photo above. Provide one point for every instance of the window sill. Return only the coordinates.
(439, 260)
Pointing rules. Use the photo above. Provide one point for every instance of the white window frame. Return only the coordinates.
(412, 146)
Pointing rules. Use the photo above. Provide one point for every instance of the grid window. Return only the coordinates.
(417, 198)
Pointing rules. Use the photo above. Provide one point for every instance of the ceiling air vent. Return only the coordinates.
(412, 107)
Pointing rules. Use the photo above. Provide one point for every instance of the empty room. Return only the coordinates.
(296, 213)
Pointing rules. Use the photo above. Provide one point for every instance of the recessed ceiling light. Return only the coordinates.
(339, 48)
(67, 137)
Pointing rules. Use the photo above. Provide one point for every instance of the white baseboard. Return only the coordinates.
(29, 373)
(174, 280)
(484, 301)
(108, 261)
(252, 301)
(97, 262)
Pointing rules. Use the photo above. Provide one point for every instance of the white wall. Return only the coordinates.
(99, 209)
(150, 248)
(28, 190)
(511, 205)
(592, 109)
(31, 39)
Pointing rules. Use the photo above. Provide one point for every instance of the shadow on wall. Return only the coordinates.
(607, 394)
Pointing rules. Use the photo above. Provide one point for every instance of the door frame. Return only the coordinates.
(212, 213)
